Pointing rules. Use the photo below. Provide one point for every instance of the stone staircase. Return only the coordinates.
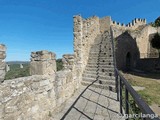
(100, 68)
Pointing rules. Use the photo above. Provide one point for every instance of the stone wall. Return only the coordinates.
(68, 61)
(2, 63)
(42, 63)
(127, 52)
(143, 37)
(85, 32)
(36, 97)
(137, 22)
(27, 98)
(149, 64)
(143, 41)
(105, 24)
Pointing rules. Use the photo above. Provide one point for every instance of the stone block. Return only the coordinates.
(43, 63)
(2, 64)
(2, 47)
(2, 55)
(68, 61)
(2, 112)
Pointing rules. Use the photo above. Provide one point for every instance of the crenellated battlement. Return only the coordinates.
(132, 25)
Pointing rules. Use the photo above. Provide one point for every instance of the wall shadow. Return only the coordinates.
(126, 45)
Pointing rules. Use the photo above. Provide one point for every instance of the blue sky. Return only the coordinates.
(31, 25)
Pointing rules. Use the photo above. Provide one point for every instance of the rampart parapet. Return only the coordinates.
(131, 25)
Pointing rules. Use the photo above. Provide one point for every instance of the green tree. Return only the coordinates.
(157, 22)
(59, 64)
(155, 42)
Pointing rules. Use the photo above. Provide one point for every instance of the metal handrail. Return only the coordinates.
(145, 109)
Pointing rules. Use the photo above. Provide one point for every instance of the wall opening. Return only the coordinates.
(128, 61)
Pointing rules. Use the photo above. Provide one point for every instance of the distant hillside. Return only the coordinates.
(16, 71)
(17, 62)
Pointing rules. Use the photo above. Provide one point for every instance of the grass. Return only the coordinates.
(151, 93)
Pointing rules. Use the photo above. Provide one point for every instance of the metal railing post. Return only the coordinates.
(121, 98)
(117, 86)
(126, 103)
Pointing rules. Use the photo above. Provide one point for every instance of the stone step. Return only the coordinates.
(97, 85)
(100, 63)
(104, 77)
(99, 66)
(100, 55)
(98, 50)
(98, 72)
(99, 69)
(101, 81)
(99, 58)
(103, 45)
(92, 52)
(106, 48)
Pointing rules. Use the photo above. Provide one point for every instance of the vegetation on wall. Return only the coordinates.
(155, 42)
(156, 22)
(59, 64)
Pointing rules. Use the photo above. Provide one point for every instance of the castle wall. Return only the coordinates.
(149, 64)
(143, 40)
(105, 24)
(42, 63)
(137, 22)
(27, 98)
(37, 96)
(85, 32)
(125, 44)
(2, 63)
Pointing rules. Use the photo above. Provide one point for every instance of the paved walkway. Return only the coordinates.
(90, 104)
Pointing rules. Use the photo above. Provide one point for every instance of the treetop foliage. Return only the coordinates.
(156, 22)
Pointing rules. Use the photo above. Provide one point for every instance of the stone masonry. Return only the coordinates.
(100, 67)
(85, 31)
(42, 63)
(2, 63)
(36, 97)
(68, 61)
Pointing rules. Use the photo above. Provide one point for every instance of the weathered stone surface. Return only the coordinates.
(37, 96)
(2, 63)
(43, 63)
(27, 97)
(68, 61)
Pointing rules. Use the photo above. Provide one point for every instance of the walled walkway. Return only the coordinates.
(90, 103)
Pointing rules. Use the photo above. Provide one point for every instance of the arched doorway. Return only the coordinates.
(128, 61)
